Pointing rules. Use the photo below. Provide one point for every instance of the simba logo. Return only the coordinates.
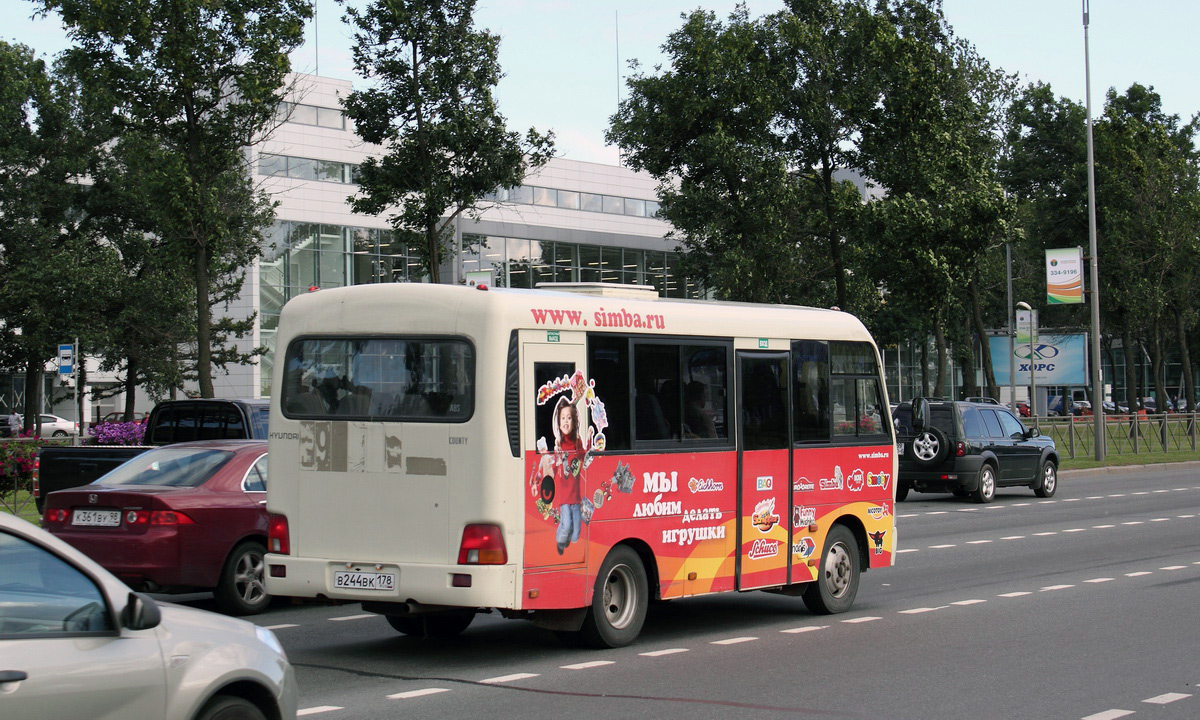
(763, 548)
(831, 483)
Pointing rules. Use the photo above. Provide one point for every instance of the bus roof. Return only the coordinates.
(428, 309)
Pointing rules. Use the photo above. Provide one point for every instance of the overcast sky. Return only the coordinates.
(563, 59)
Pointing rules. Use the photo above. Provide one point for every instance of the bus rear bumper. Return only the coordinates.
(483, 586)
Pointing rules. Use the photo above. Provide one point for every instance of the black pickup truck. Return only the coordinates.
(171, 421)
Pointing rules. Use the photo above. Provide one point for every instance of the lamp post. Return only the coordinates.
(1097, 379)
(1032, 382)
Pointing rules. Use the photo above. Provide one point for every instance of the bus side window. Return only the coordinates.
(608, 366)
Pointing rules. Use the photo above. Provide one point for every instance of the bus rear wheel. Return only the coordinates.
(837, 579)
(619, 601)
(442, 625)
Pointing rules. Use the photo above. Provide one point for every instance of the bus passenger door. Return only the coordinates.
(764, 485)
(555, 437)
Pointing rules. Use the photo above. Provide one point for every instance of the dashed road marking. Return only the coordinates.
(1173, 567)
(318, 709)
(733, 641)
(806, 628)
(343, 618)
(941, 547)
(417, 693)
(509, 678)
(661, 653)
(1048, 588)
(968, 602)
(284, 626)
(1098, 580)
(588, 665)
(855, 621)
(1014, 594)
(1139, 573)
(1109, 715)
(916, 611)
(1013, 537)
(1166, 698)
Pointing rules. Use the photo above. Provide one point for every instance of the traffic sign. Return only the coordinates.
(66, 359)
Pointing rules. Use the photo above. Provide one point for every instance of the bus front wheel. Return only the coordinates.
(837, 580)
(619, 602)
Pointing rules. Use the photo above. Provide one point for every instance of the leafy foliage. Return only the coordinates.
(431, 108)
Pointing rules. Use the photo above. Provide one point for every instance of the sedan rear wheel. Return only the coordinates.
(242, 590)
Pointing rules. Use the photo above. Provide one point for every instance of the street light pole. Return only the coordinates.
(1094, 262)
(1012, 363)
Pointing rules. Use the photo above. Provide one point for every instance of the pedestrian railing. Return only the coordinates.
(1123, 434)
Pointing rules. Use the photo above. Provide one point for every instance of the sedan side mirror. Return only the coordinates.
(141, 613)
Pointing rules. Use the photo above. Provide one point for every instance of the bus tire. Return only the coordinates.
(837, 578)
(442, 625)
(619, 601)
(241, 590)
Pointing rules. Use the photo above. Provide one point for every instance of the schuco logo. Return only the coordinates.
(763, 548)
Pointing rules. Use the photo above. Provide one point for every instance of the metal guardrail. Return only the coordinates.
(1123, 434)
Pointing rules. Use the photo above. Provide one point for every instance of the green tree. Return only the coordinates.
(51, 267)
(431, 109)
(203, 80)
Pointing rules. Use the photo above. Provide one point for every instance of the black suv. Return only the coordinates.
(970, 448)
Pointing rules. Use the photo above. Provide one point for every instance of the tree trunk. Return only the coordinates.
(203, 323)
(1188, 391)
(1156, 369)
(131, 378)
(939, 337)
(1131, 357)
(33, 393)
(985, 349)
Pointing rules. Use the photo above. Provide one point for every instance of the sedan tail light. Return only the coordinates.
(277, 535)
(482, 545)
(157, 517)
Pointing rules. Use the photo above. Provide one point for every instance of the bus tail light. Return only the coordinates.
(277, 535)
(482, 545)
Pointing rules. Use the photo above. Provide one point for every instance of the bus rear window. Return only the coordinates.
(385, 379)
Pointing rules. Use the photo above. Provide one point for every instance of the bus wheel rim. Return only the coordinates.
(619, 597)
(839, 571)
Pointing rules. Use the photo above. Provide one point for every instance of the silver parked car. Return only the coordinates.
(76, 643)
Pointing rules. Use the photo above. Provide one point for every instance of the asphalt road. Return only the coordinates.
(1083, 606)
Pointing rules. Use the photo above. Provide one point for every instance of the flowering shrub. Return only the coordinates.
(16, 462)
(117, 433)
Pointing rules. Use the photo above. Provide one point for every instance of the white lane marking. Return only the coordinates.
(853, 621)
(1159, 519)
(1162, 491)
(1056, 587)
(995, 507)
(352, 617)
(1098, 580)
(1166, 698)
(284, 626)
(1013, 537)
(1044, 534)
(1014, 594)
(938, 512)
(588, 665)
(916, 611)
(968, 510)
(1072, 500)
(1021, 504)
(806, 628)
(1102, 527)
(1118, 495)
(1133, 522)
(907, 550)
(734, 641)
(417, 693)
(1075, 530)
(973, 601)
(978, 542)
(908, 515)
(660, 653)
(1046, 502)
(318, 709)
(1141, 492)
(1173, 567)
(941, 547)
(1094, 497)
(1109, 715)
(509, 678)
(1138, 574)
(1185, 516)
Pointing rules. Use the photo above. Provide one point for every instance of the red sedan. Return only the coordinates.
(179, 518)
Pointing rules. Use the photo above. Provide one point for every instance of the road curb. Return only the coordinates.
(1119, 469)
